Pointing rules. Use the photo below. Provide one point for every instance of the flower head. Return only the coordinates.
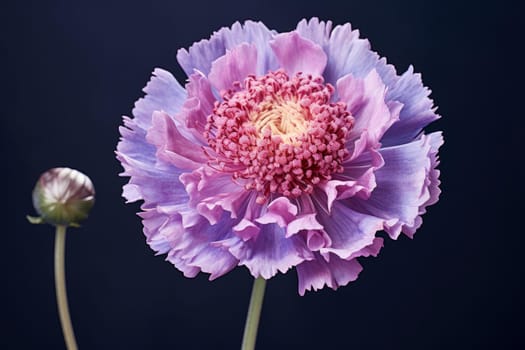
(282, 150)
(63, 196)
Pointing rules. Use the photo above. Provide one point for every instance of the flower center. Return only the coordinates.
(279, 135)
(284, 118)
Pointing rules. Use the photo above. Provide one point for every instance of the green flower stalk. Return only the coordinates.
(62, 197)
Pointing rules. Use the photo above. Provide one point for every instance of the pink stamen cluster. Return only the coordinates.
(279, 134)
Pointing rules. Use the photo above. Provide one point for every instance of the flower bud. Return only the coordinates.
(63, 196)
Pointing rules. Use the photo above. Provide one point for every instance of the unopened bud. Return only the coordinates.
(63, 196)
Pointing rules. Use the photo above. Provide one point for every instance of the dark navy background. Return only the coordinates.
(72, 68)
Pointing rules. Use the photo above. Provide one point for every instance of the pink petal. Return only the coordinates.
(418, 109)
(348, 54)
(172, 146)
(197, 106)
(269, 253)
(370, 250)
(194, 249)
(406, 184)
(131, 192)
(357, 179)
(315, 30)
(349, 230)
(163, 92)
(365, 99)
(280, 211)
(213, 193)
(297, 54)
(234, 66)
(315, 274)
(303, 222)
(246, 229)
(317, 239)
(432, 182)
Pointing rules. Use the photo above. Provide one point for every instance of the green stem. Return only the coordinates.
(254, 313)
(60, 286)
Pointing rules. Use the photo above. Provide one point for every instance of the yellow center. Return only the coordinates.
(283, 118)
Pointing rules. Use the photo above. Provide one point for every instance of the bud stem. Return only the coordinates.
(60, 286)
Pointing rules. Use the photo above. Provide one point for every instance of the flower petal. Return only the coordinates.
(296, 54)
(370, 250)
(357, 179)
(172, 146)
(418, 109)
(150, 181)
(234, 66)
(348, 54)
(280, 211)
(431, 183)
(133, 150)
(303, 222)
(349, 230)
(131, 192)
(404, 184)
(163, 92)
(315, 30)
(317, 239)
(270, 252)
(160, 230)
(212, 193)
(315, 274)
(190, 250)
(246, 229)
(194, 249)
(197, 106)
(365, 99)
(201, 55)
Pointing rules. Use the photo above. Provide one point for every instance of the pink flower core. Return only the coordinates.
(277, 134)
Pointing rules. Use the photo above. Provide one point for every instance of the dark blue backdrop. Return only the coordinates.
(72, 68)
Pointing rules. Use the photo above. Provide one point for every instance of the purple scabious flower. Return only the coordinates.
(282, 150)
